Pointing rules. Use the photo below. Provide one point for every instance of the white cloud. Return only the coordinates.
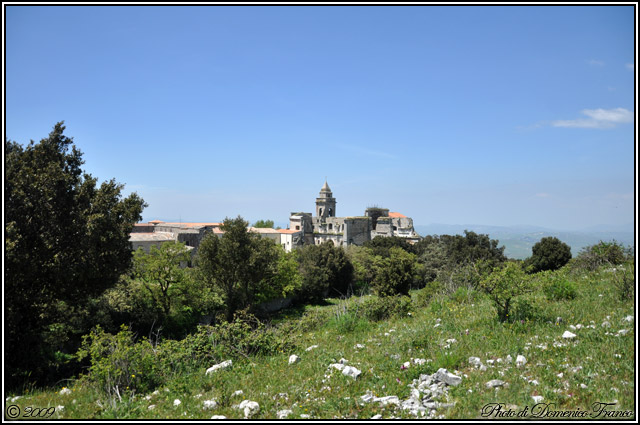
(630, 66)
(598, 118)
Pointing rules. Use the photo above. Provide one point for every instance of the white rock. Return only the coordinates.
(475, 361)
(59, 408)
(343, 361)
(448, 378)
(218, 417)
(436, 325)
(378, 416)
(151, 406)
(521, 360)
(583, 386)
(65, 391)
(568, 335)
(311, 348)
(351, 371)
(419, 361)
(368, 397)
(391, 399)
(508, 359)
(560, 375)
(293, 359)
(606, 324)
(223, 365)
(177, 402)
(578, 326)
(451, 341)
(628, 318)
(534, 382)
(236, 393)
(494, 383)
(490, 361)
(573, 328)
(406, 365)
(210, 404)
(622, 332)
(250, 408)
(359, 346)
(282, 414)
(336, 366)
(482, 368)
(537, 398)
(304, 416)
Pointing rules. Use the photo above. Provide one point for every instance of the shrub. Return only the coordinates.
(464, 295)
(524, 310)
(549, 253)
(603, 253)
(118, 364)
(394, 274)
(559, 288)
(625, 282)
(380, 308)
(503, 285)
(424, 296)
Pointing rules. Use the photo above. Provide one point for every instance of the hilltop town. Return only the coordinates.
(304, 228)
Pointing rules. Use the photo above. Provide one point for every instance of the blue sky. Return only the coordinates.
(458, 115)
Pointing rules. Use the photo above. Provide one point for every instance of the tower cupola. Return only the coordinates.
(325, 202)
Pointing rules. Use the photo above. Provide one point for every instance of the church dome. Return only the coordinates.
(325, 188)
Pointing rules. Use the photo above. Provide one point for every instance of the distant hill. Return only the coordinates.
(518, 240)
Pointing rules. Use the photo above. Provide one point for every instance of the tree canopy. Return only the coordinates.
(66, 239)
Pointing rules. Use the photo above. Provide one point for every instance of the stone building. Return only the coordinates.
(304, 228)
(344, 231)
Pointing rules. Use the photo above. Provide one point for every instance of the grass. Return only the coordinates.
(596, 366)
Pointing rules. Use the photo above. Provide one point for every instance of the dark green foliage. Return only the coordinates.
(625, 282)
(442, 256)
(239, 265)
(381, 308)
(326, 272)
(381, 245)
(503, 285)
(395, 273)
(559, 287)
(603, 253)
(160, 270)
(549, 253)
(265, 224)
(66, 240)
(424, 296)
(524, 310)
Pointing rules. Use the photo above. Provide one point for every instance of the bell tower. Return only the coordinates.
(325, 203)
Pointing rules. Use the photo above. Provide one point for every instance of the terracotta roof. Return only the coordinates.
(397, 215)
(192, 224)
(156, 221)
(288, 231)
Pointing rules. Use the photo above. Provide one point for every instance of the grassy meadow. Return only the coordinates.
(571, 375)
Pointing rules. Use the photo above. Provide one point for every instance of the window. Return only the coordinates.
(330, 226)
(297, 227)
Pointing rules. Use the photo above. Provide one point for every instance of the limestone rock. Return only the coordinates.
(177, 402)
(475, 361)
(520, 360)
(210, 404)
(448, 378)
(282, 414)
(293, 359)
(311, 348)
(568, 335)
(218, 417)
(223, 365)
(495, 383)
(351, 371)
(250, 408)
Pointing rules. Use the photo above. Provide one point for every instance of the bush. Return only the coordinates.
(560, 288)
(118, 364)
(549, 253)
(395, 274)
(524, 310)
(503, 285)
(424, 296)
(464, 295)
(625, 282)
(381, 308)
(603, 253)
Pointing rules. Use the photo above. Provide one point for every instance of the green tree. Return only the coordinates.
(550, 253)
(237, 265)
(381, 245)
(325, 270)
(66, 241)
(395, 274)
(265, 224)
(503, 285)
(160, 270)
